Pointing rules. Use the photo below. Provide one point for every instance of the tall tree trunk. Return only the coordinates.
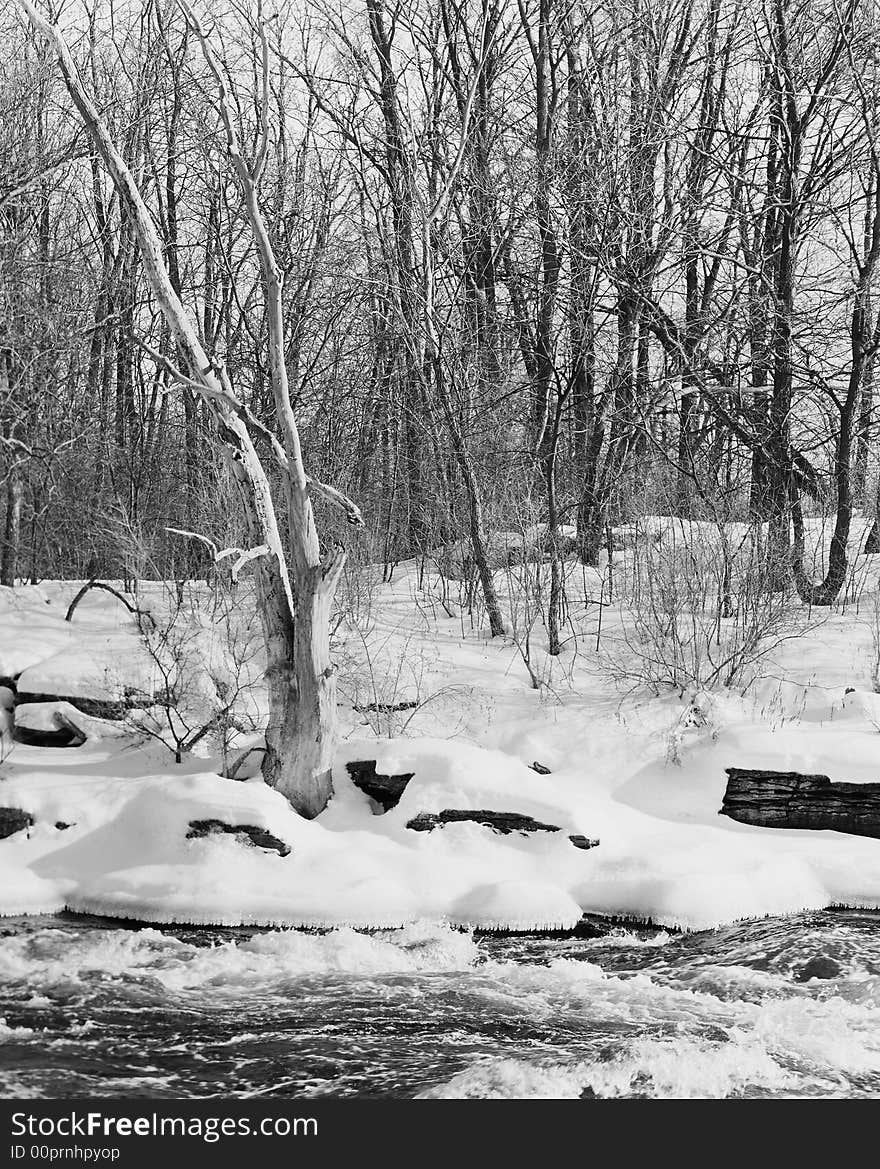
(12, 526)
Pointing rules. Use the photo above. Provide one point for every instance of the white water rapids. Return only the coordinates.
(781, 1007)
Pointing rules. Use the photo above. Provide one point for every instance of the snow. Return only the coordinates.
(100, 666)
(642, 773)
(43, 716)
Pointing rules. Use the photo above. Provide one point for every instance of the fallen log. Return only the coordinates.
(111, 709)
(42, 725)
(503, 822)
(386, 707)
(249, 834)
(790, 799)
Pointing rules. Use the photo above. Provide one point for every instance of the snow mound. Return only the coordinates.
(43, 716)
(104, 668)
(128, 854)
(516, 905)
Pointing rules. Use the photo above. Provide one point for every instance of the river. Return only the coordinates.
(774, 1008)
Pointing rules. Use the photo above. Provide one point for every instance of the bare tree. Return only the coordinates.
(296, 581)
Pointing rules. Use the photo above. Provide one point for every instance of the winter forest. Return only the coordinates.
(439, 472)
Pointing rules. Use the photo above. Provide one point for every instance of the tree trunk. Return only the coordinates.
(826, 592)
(12, 526)
(301, 733)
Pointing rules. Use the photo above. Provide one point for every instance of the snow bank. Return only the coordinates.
(102, 667)
(665, 855)
(127, 853)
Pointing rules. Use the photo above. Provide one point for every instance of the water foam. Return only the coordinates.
(58, 958)
(674, 1068)
(12, 1033)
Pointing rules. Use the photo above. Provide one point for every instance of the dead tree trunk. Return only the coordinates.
(296, 584)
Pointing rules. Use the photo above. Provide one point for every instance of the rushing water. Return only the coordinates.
(782, 1007)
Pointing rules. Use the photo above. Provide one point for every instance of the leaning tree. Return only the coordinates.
(296, 582)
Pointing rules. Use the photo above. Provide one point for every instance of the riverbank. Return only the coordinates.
(119, 829)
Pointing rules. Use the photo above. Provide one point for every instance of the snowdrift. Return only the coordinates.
(664, 856)
(113, 818)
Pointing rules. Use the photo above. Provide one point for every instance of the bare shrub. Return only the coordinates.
(696, 608)
(207, 654)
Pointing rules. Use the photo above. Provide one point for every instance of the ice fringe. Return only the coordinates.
(145, 913)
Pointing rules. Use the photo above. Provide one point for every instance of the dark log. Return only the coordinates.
(503, 822)
(13, 820)
(384, 789)
(250, 833)
(32, 737)
(789, 799)
(65, 733)
(108, 708)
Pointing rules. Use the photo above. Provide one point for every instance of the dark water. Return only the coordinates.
(89, 1009)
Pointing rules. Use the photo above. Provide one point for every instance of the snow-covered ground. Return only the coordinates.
(641, 771)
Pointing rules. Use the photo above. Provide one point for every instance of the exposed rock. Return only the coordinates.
(818, 967)
(503, 822)
(250, 833)
(386, 790)
(540, 768)
(789, 799)
(583, 842)
(12, 820)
